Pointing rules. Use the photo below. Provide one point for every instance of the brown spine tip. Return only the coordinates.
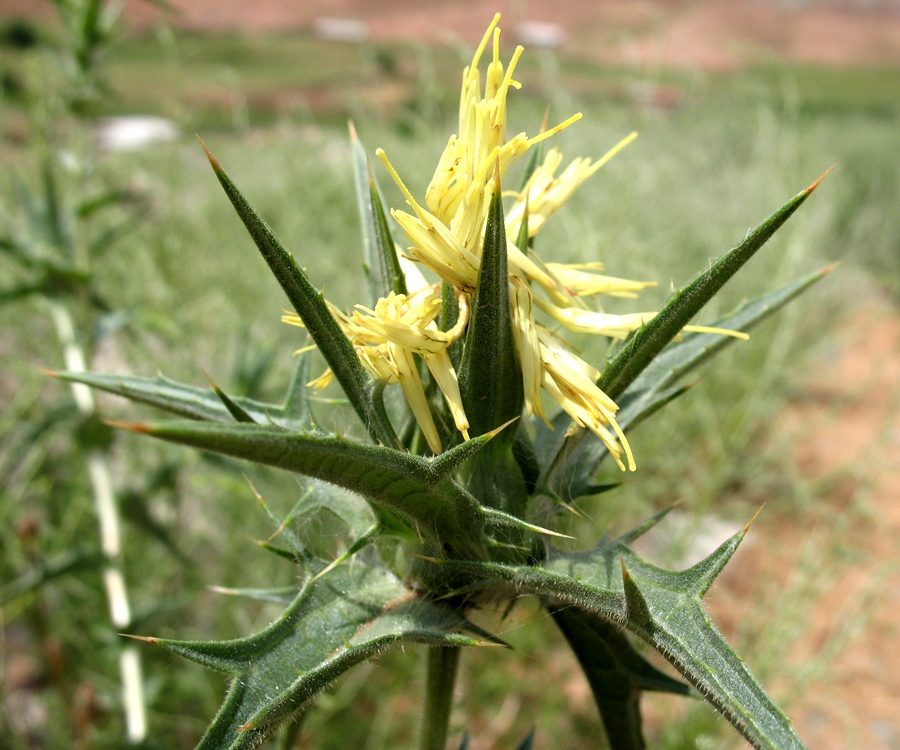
(829, 268)
(130, 426)
(436, 560)
(352, 128)
(755, 516)
(497, 430)
(209, 379)
(139, 638)
(259, 498)
(213, 162)
(51, 373)
(625, 574)
(816, 183)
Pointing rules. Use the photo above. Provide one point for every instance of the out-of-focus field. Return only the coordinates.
(718, 152)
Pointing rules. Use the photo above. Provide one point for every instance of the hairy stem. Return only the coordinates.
(110, 533)
(443, 664)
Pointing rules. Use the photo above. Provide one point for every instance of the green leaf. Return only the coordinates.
(534, 161)
(310, 306)
(364, 524)
(655, 386)
(19, 292)
(201, 403)
(382, 264)
(444, 464)
(696, 348)
(181, 399)
(641, 348)
(648, 342)
(239, 413)
(527, 461)
(296, 550)
(334, 623)
(54, 221)
(91, 30)
(528, 742)
(403, 484)
(349, 508)
(615, 672)
(284, 595)
(664, 609)
(72, 561)
(449, 318)
(112, 197)
(490, 378)
(296, 403)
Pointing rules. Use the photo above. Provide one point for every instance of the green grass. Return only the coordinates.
(198, 297)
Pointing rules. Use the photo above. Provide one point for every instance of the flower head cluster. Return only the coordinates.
(387, 337)
(446, 235)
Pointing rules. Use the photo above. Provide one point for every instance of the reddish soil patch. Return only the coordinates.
(856, 441)
(836, 573)
(704, 33)
(700, 33)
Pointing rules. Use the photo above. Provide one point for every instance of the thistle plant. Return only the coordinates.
(449, 496)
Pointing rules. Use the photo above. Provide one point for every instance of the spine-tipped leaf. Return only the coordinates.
(400, 483)
(296, 403)
(656, 385)
(640, 349)
(310, 306)
(616, 673)
(697, 348)
(183, 400)
(382, 264)
(684, 304)
(490, 376)
(351, 614)
(664, 609)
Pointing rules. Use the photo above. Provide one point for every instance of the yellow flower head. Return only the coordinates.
(446, 236)
(386, 339)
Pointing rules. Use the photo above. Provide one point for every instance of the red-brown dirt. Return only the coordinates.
(708, 34)
(855, 440)
(698, 33)
(841, 562)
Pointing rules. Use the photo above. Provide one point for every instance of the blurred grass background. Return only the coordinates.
(717, 153)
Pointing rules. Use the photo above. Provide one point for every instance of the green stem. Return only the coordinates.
(442, 667)
(107, 511)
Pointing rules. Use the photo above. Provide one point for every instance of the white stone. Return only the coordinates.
(540, 34)
(132, 132)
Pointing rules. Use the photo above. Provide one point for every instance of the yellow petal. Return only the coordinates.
(527, 346)
(415, 397)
